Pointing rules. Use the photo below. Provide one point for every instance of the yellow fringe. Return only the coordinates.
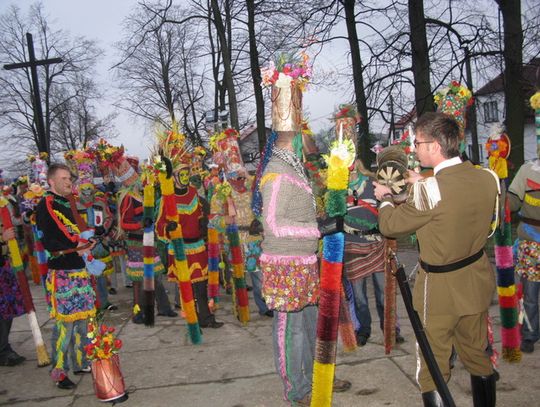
(14, 253)
(78, 353)
(58, 345)
(243, 314)
(148, 260)
(167, 184)
(189, 310)
(196, 250)
(42, 355)
(323, 382)
(338, 178)
(506, 291)
(268, 177)
(511, 355)
(73, 317)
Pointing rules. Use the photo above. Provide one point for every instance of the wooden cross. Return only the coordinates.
(43, 142)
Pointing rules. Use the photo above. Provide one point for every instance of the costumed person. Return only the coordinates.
(451, 213)
(190, 216)
(70, 296)
(289, 250)
(365, 251)
(11, 301)
(524, 196)
(94, 210)
(111, 159)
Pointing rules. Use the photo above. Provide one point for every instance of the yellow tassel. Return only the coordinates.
(42, 356)
(323, 381)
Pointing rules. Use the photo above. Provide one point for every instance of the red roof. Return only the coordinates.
(531, 80)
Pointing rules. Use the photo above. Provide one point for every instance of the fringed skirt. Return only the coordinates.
(528, 259)
(290, 283)
(70, 295)
(135, 261)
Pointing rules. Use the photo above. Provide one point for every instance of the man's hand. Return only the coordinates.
(413, 177)
(8, 234)
(88, 249)
(381, 190)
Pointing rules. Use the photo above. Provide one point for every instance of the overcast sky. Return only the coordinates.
(101, 20)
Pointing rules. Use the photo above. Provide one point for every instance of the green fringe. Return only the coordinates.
(178, 247)
(335, 202)
(234, 239)
(503, 235)
(509, 317)
(239, 282)
(194, 332)
(360, 223)
(148, 212)
(298, 145)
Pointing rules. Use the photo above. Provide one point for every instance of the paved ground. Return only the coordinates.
(234, 366)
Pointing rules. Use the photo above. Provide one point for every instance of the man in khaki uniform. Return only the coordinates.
(451, 213)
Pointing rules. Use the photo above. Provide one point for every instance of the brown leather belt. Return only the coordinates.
(446, 268)
(69, 251)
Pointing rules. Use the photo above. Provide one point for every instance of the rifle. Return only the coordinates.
(399, 272)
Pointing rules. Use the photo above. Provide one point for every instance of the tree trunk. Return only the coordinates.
(471, 112)
(420, 58)
(513, 78)
(227, 68)
(256, 75)
(364, 142)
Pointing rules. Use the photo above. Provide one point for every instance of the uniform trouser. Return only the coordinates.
(294, 335)
(469, 336)
(68, 341)
(531, 291)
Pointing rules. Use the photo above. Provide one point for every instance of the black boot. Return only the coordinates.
(432, 399)
(483, 390)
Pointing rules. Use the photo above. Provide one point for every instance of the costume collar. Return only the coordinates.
(446, 163)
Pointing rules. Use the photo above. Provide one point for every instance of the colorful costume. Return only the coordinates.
(524, 196)
(70, 296)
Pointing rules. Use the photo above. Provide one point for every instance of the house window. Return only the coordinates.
(491, 113)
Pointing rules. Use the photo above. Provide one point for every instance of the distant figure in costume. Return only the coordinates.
(70, 296)
(11, 301)
(451, 213)
(524, 196)
(190, 215)
(130, 214)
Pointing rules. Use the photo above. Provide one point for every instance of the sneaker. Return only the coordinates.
(361, 339)
(65, 384)
(304, 401)
(138, 319)
(527, 346)
(169, 313)
(84, 370)
(111, 307)
(213, 324)
(269, 313)
(399, 338)
(341, 385)
(112, 291)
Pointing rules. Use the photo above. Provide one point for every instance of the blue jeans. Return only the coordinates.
(531, 289)
(68, 341)
(294, 335)
(361, 302)
(256, 281)
(102, 293)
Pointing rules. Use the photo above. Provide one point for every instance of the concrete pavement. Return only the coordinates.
(234, 365)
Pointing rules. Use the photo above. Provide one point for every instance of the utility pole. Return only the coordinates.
(43, 139)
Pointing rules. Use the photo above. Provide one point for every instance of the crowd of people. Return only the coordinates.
(200, 219)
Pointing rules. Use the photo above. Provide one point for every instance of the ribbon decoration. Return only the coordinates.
(180, 261)
(148, 245)
(18, 268)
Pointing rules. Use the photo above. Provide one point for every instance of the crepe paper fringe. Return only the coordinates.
(506, 289)
(346, 328)
(237, 264)
(213, 263)
(18, 269)
(256, 202)
(335, 201)
(148, 254)
(328, 320)
(180, 262)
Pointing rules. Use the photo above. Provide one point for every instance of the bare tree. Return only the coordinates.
(78, 55)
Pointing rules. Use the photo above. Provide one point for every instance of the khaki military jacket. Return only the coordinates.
(457, 227)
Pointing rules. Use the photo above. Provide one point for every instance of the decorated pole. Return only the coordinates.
(180, 261)
(148, 245)
(18, 268)
(342, 155)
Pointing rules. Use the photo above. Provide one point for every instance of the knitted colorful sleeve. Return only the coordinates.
(127, 215)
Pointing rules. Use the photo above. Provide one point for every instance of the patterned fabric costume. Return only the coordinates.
(70, 296)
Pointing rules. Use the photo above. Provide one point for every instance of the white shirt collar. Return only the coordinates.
(447, 163)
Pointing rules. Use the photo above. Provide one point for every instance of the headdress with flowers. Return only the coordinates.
(172, 145)
(287, 70)
(103, 341)
(454, 92)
